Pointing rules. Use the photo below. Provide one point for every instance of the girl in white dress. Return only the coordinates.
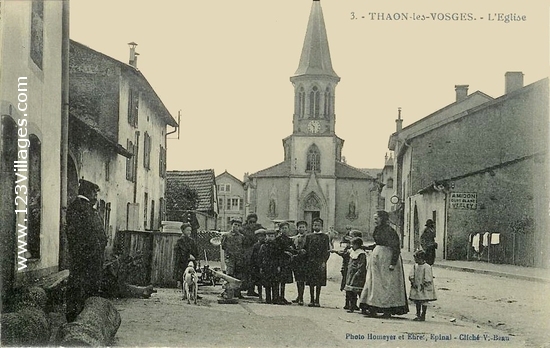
(422, 285)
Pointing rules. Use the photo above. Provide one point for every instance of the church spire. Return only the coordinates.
(315, 58)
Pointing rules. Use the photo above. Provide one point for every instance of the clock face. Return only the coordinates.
(314, 126)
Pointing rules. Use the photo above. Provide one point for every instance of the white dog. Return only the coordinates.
(190, 283)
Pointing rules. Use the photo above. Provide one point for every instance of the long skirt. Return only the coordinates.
(384, 290)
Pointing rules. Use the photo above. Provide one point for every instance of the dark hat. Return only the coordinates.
(260, 231)
(382, 214)
(357, 241)
(419, 253)
(284, 223)
(252, 215)
(430, 222)
(236, 219)
(185, 225)
(356, 233)
(301, 222)
(317, 219)
(86, 186)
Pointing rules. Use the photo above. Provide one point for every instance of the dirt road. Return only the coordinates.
(472, 309)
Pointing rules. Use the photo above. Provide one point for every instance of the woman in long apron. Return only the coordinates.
(384, 290)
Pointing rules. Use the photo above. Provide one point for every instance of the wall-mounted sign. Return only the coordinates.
(394, 199)
(464, 200)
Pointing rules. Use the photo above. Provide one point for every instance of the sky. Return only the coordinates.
(226, 66)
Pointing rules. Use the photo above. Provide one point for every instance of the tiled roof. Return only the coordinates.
(201, 181)
(345, 171)
(154, 99)
(372, 171)
(279, 170)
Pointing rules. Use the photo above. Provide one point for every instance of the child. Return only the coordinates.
(345, 255)
(357, 273)
(284, 247)
(255, 261)
(299, 261)
(317, 247)
(422, 286)
(269, 272)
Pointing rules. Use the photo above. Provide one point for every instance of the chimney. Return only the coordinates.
(399, 121)
(461, 92)
(513, 80)
(133, 59)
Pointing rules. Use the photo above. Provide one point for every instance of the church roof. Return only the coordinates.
(315, 58)
(372, 171)
(279, 170)
(345, 171)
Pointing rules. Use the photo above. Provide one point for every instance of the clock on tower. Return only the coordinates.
(314, 126)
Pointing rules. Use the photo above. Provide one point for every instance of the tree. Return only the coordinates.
(180, 199)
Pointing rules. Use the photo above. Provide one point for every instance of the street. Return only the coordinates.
(471, 309)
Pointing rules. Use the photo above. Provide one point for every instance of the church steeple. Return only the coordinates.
(315, 58)
(314, 81)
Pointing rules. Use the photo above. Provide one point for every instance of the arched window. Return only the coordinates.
(301, 102)
(35, 197)
(328, 105)
(314, 102)
(313, 159)
(389, 183)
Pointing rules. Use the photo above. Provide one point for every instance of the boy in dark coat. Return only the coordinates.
(269, 269)
(185, 250)
(255, 261)
(249, 238)
(317, 247)
(284, 252)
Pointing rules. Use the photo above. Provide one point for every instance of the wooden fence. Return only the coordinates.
(157, 254)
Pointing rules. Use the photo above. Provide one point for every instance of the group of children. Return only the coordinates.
(278, 260)
(354, 271)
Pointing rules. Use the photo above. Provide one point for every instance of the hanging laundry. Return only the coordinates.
(475, 242)
(495, 238)
(485, 239)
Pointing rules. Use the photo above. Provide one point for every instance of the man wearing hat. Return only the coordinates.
(232, 245)
(86, 240)
(428, 243)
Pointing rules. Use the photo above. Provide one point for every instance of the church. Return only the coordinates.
(313, 180)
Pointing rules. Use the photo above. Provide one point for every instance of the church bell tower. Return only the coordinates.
(314, 81)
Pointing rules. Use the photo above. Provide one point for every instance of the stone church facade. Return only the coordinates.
(313, 181)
